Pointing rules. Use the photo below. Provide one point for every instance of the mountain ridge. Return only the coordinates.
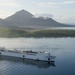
(24, 18)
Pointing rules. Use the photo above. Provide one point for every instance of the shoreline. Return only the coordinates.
(47, 33)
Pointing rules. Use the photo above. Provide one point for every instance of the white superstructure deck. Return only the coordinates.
(39, 56)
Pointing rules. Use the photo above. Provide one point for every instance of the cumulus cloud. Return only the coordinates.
(44, 15)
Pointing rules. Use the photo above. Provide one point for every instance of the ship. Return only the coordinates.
(27, 54)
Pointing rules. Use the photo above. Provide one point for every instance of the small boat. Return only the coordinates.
(31, 55)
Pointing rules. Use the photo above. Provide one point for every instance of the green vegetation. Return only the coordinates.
(7, 32)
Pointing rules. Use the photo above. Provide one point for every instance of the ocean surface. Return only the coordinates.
(62, 48)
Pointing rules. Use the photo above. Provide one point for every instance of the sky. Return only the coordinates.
(60, 10)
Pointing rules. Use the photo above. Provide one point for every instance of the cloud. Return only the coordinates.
(44, 15)
(69, 2)
(8, 3)
(51, 4)
(64, 19)
(47, 4)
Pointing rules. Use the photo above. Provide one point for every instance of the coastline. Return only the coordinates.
(16, 33)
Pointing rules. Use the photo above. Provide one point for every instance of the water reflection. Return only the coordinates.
(39, 64)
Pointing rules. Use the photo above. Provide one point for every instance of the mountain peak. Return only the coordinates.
(20, 15)
(23, 10)
(24, 13)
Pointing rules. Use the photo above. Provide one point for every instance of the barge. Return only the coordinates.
(31, 55)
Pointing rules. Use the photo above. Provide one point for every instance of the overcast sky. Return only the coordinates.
(62, 10)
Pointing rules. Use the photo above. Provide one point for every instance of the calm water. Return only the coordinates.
(62, 48)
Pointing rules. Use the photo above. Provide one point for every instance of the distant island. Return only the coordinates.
(14, 33)
(25, 24)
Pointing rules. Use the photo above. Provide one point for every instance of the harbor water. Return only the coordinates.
(62, 48)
